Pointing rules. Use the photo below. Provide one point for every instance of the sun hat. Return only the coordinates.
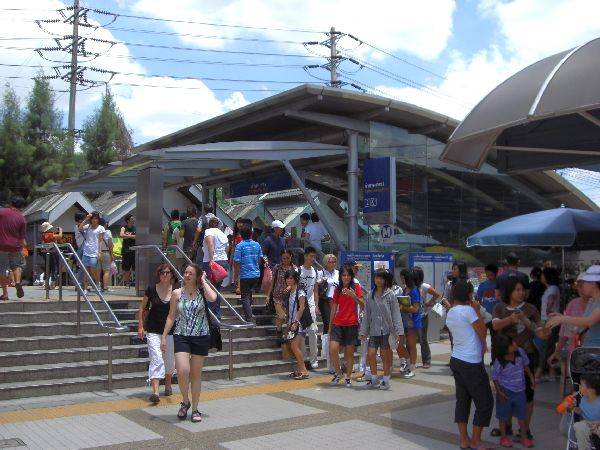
(46, 226)
(277, 224)
(591, 274)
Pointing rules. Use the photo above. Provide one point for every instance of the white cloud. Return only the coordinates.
(418, 27)
(149, 111)
(529, 30)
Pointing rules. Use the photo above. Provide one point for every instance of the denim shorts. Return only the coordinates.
(89, 261)
(515, 406)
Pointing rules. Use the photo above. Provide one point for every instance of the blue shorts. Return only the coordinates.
(515, 406)
(89, 261)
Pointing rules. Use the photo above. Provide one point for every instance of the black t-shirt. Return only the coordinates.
(157, 316)
(189, 231)
(536, 291)
(510, 273)
(128, 242)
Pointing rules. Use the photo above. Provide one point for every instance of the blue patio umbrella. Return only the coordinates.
(560, 227)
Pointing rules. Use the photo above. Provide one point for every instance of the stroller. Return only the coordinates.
(584, 360)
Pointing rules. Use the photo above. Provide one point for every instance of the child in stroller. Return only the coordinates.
(584, 421)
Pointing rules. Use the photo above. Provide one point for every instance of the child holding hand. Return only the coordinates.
(508, 373)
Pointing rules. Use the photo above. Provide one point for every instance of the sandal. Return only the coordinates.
(301, 376)
(293, 374)
(196, 416)
(154, 399)
(183, 410)
(4, 297)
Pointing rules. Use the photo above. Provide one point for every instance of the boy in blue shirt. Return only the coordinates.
(587, 430)
(246, 260)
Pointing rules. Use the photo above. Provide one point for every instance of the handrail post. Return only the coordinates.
(60, 285)
(78, 331)
(47, 275)
(230, 354)
(110, 361)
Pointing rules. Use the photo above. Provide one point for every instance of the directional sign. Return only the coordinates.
(386, 232)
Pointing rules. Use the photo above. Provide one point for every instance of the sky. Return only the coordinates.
(215, 56)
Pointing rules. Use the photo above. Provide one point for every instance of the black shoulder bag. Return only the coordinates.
(213, 327)
(306, 320)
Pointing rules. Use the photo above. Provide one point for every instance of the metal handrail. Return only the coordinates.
(230, 327)
(117, 327)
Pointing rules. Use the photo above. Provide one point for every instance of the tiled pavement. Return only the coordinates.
(279, 413)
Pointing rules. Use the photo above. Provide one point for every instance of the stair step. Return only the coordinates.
(131, 364)
(96, 353)
(62, 386)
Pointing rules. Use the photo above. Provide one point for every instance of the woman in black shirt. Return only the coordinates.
(153, 313)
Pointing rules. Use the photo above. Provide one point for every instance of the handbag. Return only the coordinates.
(306, 320)
(267, 279)
(216, 341)
(217, 272)
(270, 306)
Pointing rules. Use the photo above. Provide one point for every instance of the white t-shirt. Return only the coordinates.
(90, 243)
(316, 230)
(467, 345)
(308, 278)
(333, 279)
(549, 292)
(220, 243)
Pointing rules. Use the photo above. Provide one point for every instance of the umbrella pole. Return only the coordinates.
(564, 268)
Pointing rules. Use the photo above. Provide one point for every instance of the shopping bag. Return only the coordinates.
(113, 268)
(267, 280)
(439, 310)
(217, 272)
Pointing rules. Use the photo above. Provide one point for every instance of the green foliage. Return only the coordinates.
(105, 137)
(16, 156)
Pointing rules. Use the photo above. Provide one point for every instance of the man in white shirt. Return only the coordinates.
(315, 232)
(308, 282)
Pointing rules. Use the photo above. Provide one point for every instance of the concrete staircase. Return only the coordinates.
(41, 355)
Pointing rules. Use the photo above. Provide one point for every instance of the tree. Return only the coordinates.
(43, 131)
(105, 136)
(16, 156)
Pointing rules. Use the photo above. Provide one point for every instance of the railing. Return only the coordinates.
(228, 326)
(116, 327)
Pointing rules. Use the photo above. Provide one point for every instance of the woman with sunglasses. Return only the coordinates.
(152, 317)
(191, 335)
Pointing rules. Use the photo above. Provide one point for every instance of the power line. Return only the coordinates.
(405, 61)
(212, 24)
(197, 49)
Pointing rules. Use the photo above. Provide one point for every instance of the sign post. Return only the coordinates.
(379, 191)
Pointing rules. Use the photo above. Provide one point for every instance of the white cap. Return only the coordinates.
(591, 274)
(46, 226)
(277, 224)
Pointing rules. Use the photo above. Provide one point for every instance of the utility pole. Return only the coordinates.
(73, 81)
(333, 35)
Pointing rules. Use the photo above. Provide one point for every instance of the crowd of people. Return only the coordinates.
(531, 328)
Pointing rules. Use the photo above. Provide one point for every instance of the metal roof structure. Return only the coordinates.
(50, 207)
(546, 116)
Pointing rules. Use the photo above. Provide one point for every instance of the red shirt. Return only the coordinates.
(346, 314)
(12, 230)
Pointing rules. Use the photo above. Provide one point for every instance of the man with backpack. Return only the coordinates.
(170, 233)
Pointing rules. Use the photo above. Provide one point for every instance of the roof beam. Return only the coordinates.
(587, 116)
(331, 120)
(561, 151)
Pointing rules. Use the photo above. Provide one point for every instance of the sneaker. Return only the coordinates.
(371, 385)
(527, 443)
(154, 399)
(384, 386)
(19, 288)
(505, 442)
(407, 374)
(403, 366)
(364, 377)
(315, 365)
(348, 383)
(335, 380)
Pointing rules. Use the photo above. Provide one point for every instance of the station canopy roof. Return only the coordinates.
(306, 124)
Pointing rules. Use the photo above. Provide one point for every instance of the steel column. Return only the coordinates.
(353, 191)
(149, 204)
(312, 203)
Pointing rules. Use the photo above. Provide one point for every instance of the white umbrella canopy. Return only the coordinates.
(546, 116)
